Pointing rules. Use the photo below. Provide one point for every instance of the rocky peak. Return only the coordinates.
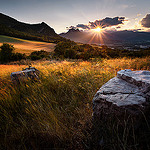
(44, 24)
(73, 30)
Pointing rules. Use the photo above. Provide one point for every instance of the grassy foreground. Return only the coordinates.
(57, 111)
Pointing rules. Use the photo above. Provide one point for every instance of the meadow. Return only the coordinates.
(55, 112)
(26, 46)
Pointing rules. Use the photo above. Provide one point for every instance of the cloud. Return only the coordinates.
(103, 23)
(71, 27)
(118, 27)
(145, 22)
(107, 22)
(83, 26)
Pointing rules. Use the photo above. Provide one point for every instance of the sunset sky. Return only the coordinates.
(59, 14)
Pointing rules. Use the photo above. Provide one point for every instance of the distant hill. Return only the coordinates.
(12, 27)
(73, 34)
(122, 37)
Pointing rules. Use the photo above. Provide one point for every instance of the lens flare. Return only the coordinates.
(98, 29)
(98, 35)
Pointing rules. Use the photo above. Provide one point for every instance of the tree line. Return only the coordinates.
(70, 50)
(73, 50)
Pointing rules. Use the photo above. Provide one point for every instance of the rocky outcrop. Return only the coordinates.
(122, 105)
(128, 88)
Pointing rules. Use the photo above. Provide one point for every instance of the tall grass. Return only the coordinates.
(57, 111)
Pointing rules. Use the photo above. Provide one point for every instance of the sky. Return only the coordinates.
(59, 14)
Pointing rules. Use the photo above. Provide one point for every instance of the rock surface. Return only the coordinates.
(27, 73)
(128, 88)
(123, 105)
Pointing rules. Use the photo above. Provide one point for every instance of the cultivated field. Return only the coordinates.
(26, 46)
(57, 111)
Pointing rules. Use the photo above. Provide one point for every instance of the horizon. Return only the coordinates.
(110, 15)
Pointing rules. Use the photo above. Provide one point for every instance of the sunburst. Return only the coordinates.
(97, 33)
(98, 29)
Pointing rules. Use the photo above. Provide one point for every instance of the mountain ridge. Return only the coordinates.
(108, 37)
(40, 31)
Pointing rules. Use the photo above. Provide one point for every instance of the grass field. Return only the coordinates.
(57, 111)
(26, 46)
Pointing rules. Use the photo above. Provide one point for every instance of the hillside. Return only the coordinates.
(26, 46)
(42, 32)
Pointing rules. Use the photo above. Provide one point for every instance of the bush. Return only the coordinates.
(6, 52)
(70, 53)
(61, 47)
(36, 55)
(18, 56)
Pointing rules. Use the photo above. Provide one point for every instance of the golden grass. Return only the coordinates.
(60, 106)
(27, 46)
(6, 70)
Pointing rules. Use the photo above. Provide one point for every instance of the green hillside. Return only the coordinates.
(7, 39)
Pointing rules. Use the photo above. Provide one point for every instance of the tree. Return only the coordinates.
(39, 55)
(6, 52)
(61, 47)
(70, 53)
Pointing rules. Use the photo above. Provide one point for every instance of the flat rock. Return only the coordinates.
(139, 78)
(128, 88)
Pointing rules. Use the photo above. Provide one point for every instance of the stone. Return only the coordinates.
(28, 73)
(128, 88)
(125, 102)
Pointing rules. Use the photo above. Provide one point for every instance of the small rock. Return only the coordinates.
(27, 73)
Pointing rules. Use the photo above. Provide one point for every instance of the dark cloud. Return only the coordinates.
(71, 27)
(83, 26)
(146, 21)
(118, 27)
(103, 23)
(107, 22)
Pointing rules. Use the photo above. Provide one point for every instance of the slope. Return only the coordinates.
(42, 32)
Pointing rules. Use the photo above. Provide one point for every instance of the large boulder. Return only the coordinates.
(121, 111)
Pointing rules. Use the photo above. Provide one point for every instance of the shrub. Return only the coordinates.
(61, 47)
(6, 52)
(17, 56)
(36, 55)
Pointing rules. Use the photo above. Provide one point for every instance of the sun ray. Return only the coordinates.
(92, 38)
(99, 34)
(101, 38)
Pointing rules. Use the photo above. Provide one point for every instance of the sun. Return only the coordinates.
(98, 29)
(98, 33)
